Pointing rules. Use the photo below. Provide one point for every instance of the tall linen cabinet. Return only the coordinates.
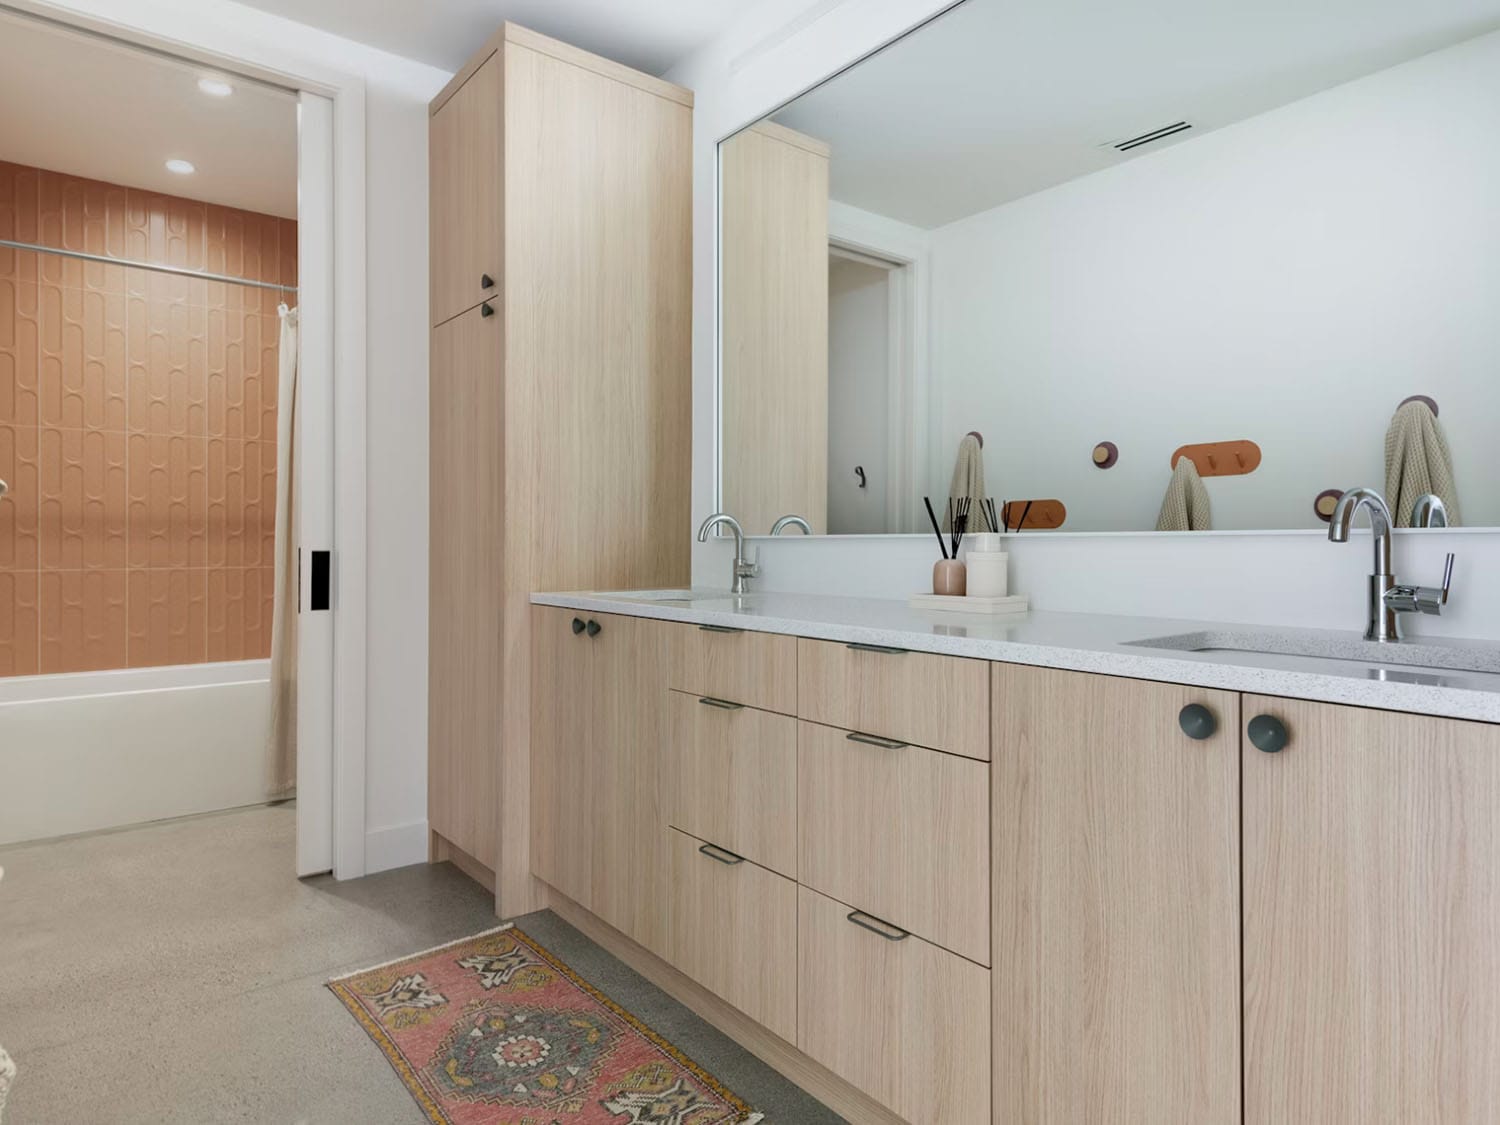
(561, 212)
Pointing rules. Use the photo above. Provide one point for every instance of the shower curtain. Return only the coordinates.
(282, 744)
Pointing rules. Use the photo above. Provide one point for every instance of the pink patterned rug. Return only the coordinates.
(495, 1030)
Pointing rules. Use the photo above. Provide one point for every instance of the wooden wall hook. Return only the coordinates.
(1220, 458)
(1042, 515)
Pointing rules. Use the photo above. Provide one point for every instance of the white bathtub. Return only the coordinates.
(93, 750)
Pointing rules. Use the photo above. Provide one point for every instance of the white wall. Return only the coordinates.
(858, 392)
(397, 92)
(781, 49)
(1288, 279)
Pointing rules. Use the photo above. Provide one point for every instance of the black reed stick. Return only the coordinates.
(936, 530)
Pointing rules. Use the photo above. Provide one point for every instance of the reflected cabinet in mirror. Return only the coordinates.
(1122, 268)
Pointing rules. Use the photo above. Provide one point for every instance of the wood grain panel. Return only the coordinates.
(628, 794)
(563, 782)
(734, 931)
(467, 526)
(598, 389)
(1372, 919)
(464, 156)
(904, 1021)
(774, 293)
(756, 669)
(1116, 903)
(937, 701)
(734, 779)
(905, 833)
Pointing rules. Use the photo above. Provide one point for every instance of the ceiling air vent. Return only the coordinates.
(1152, 137)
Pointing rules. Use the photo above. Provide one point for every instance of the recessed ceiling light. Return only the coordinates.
(215, 87)
(181, 167)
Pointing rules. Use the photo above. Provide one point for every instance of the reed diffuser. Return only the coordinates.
(949, 576)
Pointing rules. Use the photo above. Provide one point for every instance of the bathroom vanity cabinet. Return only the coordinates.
(952, 891)
(560, 401)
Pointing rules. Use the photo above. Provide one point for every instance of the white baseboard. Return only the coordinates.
(399, 846)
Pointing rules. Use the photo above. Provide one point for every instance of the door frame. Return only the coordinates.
(203, 37)
(903, 251)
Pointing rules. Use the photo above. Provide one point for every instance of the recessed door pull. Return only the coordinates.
(721, 855)
(878, 927)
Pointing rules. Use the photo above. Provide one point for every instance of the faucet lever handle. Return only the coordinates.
(1447, 578)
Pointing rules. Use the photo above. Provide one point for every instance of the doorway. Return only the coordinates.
(153, 254)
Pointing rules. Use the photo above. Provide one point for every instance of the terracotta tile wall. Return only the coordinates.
(137, 428)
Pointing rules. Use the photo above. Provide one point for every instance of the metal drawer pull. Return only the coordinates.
(877, 927)
(720, 629)
(722, 855)
(876, 648)
(876, 740)
(721, 704)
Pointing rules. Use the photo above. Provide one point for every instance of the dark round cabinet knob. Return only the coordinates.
(594, 628)
(1197, 721)
(486, 309)
(486, 281)
(1267, 733)
(577, 625)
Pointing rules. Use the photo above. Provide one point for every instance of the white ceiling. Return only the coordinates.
(999, 99)
(88, 107)
(650, 35)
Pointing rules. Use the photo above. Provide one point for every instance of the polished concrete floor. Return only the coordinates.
(175, 972)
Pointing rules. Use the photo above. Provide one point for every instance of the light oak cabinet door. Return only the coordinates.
(564, 789)
(903, 831)
(465, 611)
(734, 930)
(938, 701)
(598, 816)
(736, 665)
(733, 778)
(627, 798)
(1372, 919)
(464, 154)
(1116, 903)
(906, 1022)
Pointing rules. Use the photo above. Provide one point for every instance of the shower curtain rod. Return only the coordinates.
(126, 263)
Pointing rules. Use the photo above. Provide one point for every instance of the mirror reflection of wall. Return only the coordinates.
(1306, 239)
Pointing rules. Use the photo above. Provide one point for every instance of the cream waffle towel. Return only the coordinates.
(968, 481)
(1417, 462)
(1185, 507)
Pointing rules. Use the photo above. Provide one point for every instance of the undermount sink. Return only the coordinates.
(1456, 656)
(666, 595)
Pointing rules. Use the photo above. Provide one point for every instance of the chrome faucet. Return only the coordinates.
(1388, 598)
(791, 521)
(1429, 511)
(744, 569)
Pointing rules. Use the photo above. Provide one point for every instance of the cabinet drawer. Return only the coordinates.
(937, 701)
(900, 830)
(756, 669)
(906, 1022)
(733, 929)
(734, 779)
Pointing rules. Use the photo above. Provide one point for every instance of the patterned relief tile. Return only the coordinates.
(19, 623)
(239, 613)
(20, 352)
(19, 533)
(19, 186)
(168, 487)
(167, 616)
(82, 381)
(287, 254)
(82, 620)
(170, 231)
(82, 506)
(167, 351)
(84, 215)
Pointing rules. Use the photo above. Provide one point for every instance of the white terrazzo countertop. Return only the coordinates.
(1366, 675)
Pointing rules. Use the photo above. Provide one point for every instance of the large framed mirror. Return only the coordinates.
(1159, 266)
